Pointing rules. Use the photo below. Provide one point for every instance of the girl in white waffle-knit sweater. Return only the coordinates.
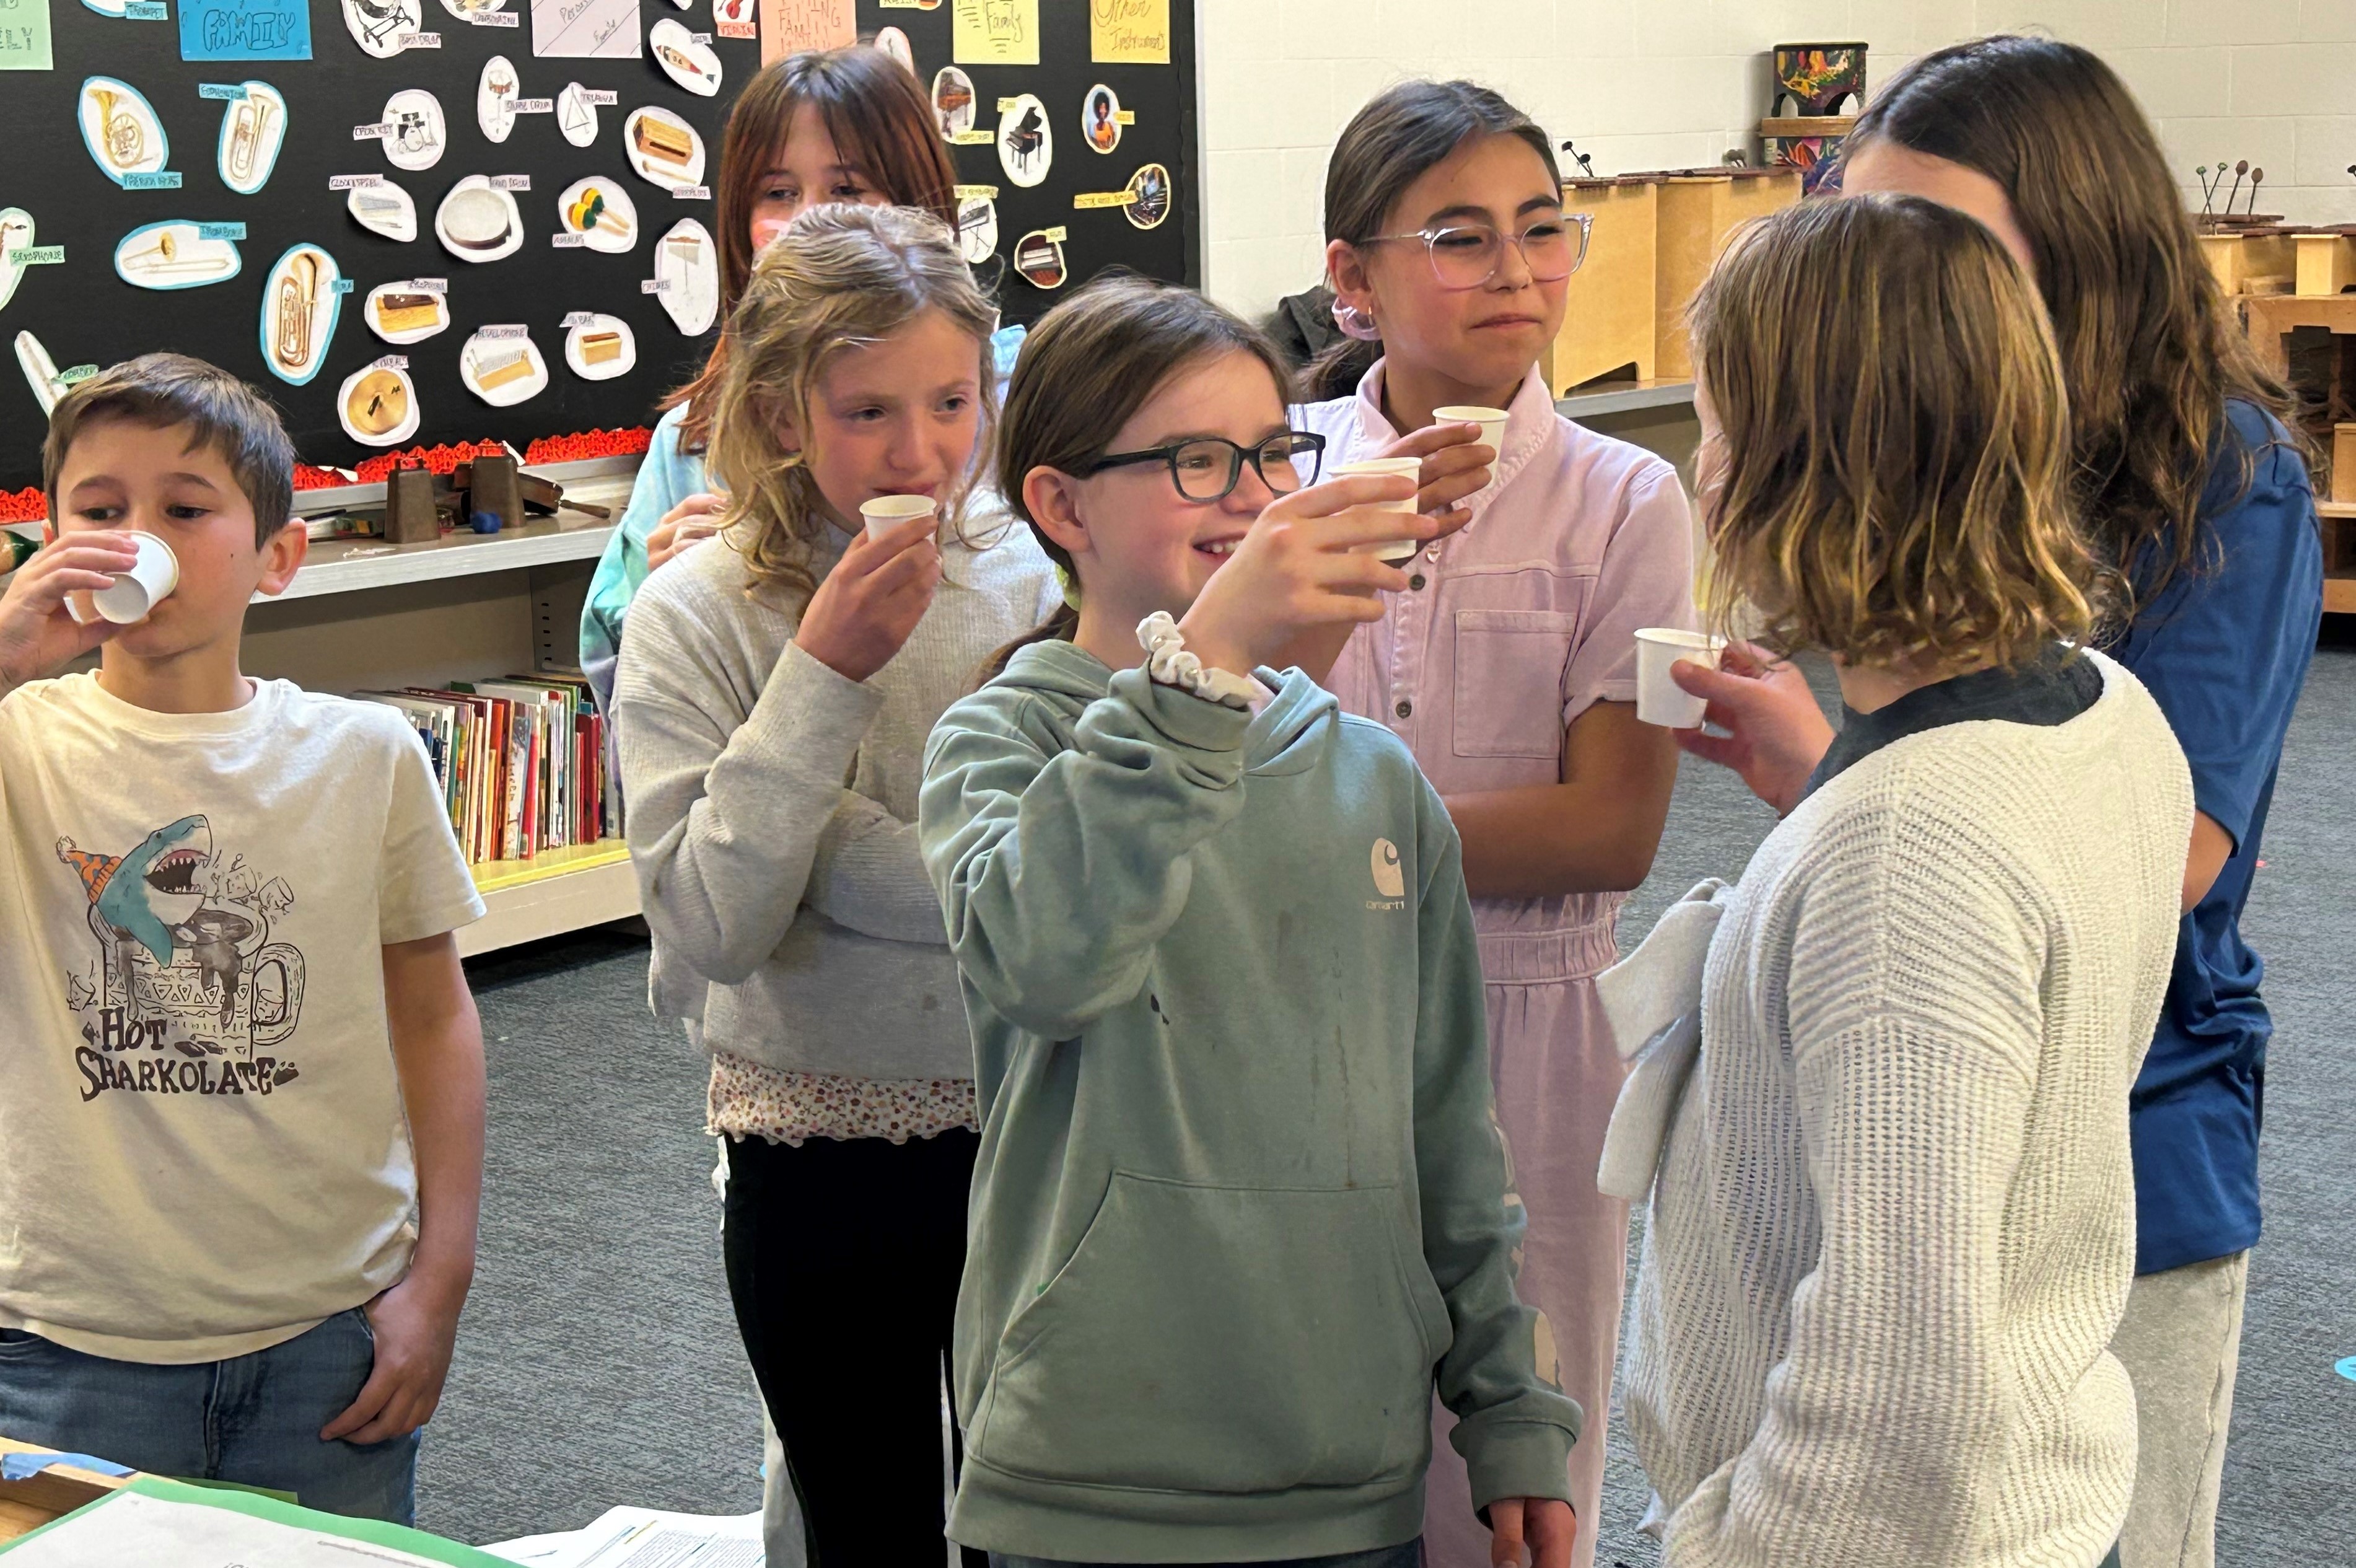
(1892, 1217)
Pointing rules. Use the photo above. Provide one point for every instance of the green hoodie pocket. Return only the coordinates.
(1223, 1339)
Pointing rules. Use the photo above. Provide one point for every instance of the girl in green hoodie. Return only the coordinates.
(1240, 1196)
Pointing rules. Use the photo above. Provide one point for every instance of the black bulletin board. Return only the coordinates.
(1163, 99)
(84, 314)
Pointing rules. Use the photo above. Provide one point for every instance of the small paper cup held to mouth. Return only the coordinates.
(885, 513)
(1392, 550)
(1491, 422)
(1659, 699)
(135, 592)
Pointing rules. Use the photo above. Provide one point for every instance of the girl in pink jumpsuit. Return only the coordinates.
(1509, 665)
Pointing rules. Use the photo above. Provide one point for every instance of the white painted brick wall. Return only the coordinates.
(1673, 84)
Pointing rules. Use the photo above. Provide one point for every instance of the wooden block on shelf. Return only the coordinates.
(2343, 463)
(1614, 296)
(1807, 124)
(2326, 262)
(1697, 214)
(2269, 319)
(2238, 259)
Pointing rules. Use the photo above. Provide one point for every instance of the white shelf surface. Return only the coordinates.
(553, 906)
(1624, 397)
(348, 566)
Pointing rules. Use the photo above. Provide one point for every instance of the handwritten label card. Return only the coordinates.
(1129, 32)
(25, 35)
(245, 30)
(996, 32)
(586, 29)
(789, 26)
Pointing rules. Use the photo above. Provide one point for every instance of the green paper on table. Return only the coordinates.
(156, 1523)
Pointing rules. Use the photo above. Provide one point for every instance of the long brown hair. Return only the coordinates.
(2150, 350)
(1086, 368)
(838, 278)
(1402, 131)
(879, 122)
(1894, 438)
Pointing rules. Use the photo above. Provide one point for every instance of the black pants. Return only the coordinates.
(843, 1258)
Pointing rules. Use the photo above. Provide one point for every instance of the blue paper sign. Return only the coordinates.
(245, 30)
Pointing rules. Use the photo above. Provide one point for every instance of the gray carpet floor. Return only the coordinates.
(599, 1362)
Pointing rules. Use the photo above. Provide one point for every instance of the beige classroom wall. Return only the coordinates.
(1646, 84)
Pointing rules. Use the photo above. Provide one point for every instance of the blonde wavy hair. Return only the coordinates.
(838, 278)
(1895, 441)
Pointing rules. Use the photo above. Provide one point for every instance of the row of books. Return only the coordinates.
(521, 761)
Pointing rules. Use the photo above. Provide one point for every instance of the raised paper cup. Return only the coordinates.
(1412, 467)
(887, 512)
(1659, 699)
(138, 592)
(1491, 422)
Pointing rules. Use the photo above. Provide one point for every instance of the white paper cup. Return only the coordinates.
(138, 592)
(886, 513)
(1491, 422)
(1659, 699)
(1412, 467)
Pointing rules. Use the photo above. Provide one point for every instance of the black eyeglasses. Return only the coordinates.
(1209, 467)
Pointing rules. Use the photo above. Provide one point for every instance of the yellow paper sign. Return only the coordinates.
(973, 138)
(995, 32)
(1090, 200)
(976, 192)
(1129, 32)
(1054, 236)
(1124, 117)
(1007, 105)
(789, 26)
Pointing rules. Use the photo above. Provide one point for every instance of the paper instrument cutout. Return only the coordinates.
(300, 303)
(953, 104)
(692, 65)
(600, 211)
(494, 97)
(378, 405)
(384, 28)
(663, 149)
(15, 234)
(384, 209)
(419, 133)
(40, 372)
(252, 130)
(687, 269)
(174, 255)
(1151, 185)
(977, 229)
(478, 222)
(576, 117)
(1039, 258)
(1101, 119)
(1026, 142)
(120, 128)
(404, 313)
(600, 347)
(500, 370)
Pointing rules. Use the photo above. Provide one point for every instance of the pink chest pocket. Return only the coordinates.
(1509, 664)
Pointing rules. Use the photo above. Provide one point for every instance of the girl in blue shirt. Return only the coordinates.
(847, 125)
(2197, 493)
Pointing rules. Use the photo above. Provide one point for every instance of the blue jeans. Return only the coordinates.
(253, 1420)
(1409, 1556)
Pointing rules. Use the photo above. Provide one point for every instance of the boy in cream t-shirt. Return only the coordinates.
(240, 1073)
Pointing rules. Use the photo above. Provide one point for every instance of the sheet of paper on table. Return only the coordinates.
(644, 1538)
(131, 1530)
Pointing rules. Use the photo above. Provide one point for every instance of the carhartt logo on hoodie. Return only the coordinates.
(1390, 881)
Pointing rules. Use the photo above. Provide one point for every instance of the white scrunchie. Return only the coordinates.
(1169, 663)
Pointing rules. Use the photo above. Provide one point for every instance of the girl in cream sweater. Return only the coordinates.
(1892, 1217)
